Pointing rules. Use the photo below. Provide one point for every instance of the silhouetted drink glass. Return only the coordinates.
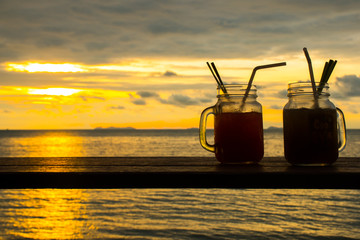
(238, 126)
(314, 129)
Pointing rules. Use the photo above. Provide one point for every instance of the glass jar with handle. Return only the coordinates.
(238, 126)
(314, 129)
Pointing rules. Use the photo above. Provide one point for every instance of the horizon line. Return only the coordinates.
(126, 128)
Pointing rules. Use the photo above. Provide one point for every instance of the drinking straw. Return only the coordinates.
(328, 69)
(323, 77)
(253, 75)
(219, 78)
(216, 75)
(331, 67)
(311, 73)
(326, 66)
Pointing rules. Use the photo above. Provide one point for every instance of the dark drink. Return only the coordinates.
(239, 137)
(310, 136)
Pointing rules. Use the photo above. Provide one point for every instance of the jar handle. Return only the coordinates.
(341, 129)
(202, 129)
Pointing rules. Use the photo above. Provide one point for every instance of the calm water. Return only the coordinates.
(180, 214)
(75, 143)
(167, 213)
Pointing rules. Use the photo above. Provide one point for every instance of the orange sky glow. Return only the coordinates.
(77, 106)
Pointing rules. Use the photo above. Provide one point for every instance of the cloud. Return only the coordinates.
(276, 107)
(281, 94)
(87, 98)
(147, 94)
(174, 99)
(98, 31)
(116, 107)
(181, 100)
(96, 46)
(139, 102)
(205, 100)
(346, 86)
(51, 42)
(169, 74)
(166, 26)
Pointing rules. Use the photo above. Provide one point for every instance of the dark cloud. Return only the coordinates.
(346, 86)
(147, 94)
(175, 99)
(97, 46)
(169, 74)
(51, 42)
(282, 94)
(99, 31)
(182, 100)
(163, 26)
(276, 107)
(206, 100)
(116, 107)
(139, 102)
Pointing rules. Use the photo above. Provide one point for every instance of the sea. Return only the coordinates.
(167, 213)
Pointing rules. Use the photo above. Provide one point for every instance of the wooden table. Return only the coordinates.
(172, 172)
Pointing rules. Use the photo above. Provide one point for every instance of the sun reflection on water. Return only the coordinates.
(179, 213)
(48, 214)
(49, 144)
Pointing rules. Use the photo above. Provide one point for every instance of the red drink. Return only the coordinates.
(310, 136)
(239, 137)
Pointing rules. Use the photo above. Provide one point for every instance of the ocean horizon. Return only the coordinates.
(132, 142)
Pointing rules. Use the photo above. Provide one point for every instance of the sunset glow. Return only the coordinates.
(44, 67)
(57, 72)
(54, 91)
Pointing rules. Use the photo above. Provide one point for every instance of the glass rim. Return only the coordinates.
(236, 90)
(297, 88)
(306, 83)
(237, 85)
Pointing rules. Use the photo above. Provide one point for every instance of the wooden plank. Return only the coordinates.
(172, 172)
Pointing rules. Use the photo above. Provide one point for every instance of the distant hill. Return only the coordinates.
(193, 129)
(272, 128)
(114, 128)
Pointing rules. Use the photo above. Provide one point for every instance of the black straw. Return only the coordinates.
(311, 72)
(328, 69)
(216, 75)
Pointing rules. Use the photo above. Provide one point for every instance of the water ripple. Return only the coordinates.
(179, 214)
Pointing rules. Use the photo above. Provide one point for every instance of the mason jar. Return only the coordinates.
(238, 126)
(314, 129)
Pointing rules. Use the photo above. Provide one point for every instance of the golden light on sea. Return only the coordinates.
(50, 214)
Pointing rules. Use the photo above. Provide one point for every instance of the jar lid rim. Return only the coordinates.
(237, 85)
(306, 83)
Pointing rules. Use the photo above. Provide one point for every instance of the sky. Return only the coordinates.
(142, 64)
